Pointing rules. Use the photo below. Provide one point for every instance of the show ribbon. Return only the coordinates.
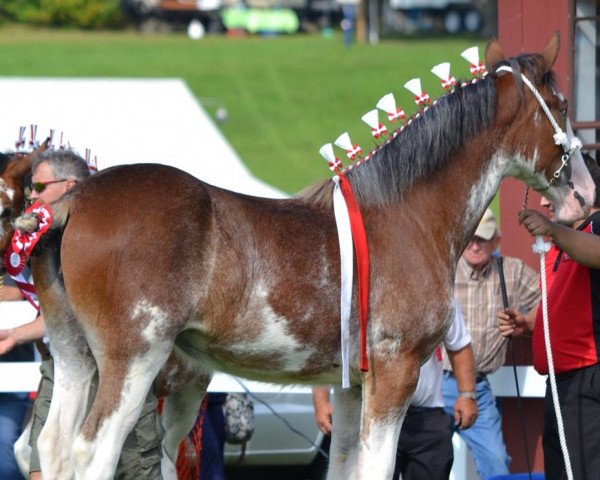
(359, 238)
(342, 220)
(22, 245)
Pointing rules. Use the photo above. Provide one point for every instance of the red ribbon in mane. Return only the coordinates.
(359, 238)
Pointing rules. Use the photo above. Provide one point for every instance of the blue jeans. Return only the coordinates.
(213, 439)
(484, 438)
(13, 409)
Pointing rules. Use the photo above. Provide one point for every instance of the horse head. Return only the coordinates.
(12, 192)
(538, 139)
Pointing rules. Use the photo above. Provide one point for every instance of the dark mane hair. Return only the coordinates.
(4, 159)
(430, 140)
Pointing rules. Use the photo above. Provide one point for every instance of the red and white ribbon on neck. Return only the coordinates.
(22, 245)
(351, 231)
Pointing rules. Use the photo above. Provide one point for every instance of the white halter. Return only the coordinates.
(569, 143)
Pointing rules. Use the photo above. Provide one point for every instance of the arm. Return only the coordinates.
(10, 293)
(463, 366)
(513, 323)
(26, 333)
(323, 409)
(580, 246)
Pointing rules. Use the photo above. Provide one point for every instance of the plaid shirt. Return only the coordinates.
(480, 298)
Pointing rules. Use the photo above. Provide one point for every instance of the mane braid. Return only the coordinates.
(426, 144)
(430, 140)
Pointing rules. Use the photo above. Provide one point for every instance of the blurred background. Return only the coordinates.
(279, 77)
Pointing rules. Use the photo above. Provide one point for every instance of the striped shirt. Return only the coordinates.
(480, 298)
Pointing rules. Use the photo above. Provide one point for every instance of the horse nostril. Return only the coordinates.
(579, 198)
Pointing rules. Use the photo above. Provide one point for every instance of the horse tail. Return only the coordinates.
(28, 222)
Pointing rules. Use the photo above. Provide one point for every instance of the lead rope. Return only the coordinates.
(500, 264)
(540, 247)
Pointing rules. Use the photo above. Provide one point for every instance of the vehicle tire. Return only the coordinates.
(472, 20)
(453, 21)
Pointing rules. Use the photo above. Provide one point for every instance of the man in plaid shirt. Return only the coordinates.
(477, 289)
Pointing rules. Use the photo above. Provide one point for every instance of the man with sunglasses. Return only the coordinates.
(55, 172)
(477, 289)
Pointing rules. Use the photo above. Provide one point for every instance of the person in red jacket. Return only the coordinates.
(573, 286)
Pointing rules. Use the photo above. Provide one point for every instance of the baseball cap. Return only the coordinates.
(487, 227)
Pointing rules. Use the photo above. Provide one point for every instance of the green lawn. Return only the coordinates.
(285, 96)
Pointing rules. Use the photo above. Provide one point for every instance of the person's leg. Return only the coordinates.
(142, 453)
(484, 438)
(41, 407)
(425, 445)
(213, 439)
(13, 409)
(579, 397)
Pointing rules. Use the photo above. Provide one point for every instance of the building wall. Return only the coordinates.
(527, 26)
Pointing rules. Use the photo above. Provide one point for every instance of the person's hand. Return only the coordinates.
(536, 223)
(7, 341)
(323, 417)
(511, 323)
(465, 412)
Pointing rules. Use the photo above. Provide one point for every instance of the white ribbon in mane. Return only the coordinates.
(342, 220)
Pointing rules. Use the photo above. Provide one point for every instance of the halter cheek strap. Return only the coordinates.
(569, 143)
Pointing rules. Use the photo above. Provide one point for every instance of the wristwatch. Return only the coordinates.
(472, 395)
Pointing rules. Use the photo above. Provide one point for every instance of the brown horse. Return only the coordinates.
(147, 262)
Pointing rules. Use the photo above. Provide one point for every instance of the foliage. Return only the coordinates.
(87, 14)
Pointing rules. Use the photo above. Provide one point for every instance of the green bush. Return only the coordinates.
(88, 14)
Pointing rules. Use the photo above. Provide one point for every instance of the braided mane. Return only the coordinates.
(429, 141)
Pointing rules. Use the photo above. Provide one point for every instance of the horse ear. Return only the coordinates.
(551, 51)
(22, 166)
(493, 54)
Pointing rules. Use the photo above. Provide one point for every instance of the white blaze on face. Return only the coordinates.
(9, 192)
(6, 197)
(576, 198)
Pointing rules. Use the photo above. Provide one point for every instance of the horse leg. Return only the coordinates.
(22, 450)
(124, 383)
(70, 396)
(180, 410)
(70, 377)
(345, 435)
(387, 390)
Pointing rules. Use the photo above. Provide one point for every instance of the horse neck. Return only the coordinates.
(448, 203)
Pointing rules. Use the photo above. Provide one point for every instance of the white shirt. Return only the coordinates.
(429, 389)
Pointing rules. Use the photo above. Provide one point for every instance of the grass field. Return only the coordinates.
(285, 96)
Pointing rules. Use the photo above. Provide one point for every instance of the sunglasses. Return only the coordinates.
(39, 187)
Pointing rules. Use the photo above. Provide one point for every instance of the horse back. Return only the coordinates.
(163, 252)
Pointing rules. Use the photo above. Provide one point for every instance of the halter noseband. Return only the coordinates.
(569, 143)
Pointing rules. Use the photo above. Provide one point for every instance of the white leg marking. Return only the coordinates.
(343, 454)
(67, 412)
